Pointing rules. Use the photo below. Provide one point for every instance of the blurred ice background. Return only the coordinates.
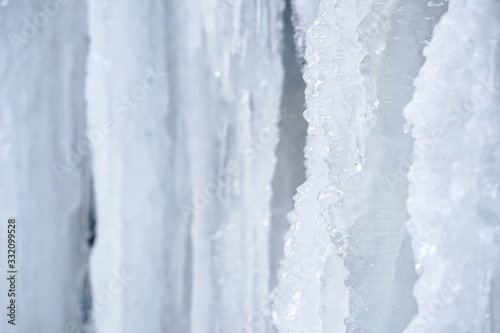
(251, 166)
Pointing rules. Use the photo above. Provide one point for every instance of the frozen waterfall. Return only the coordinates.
(236, 166)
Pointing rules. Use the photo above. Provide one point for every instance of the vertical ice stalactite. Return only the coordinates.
(369, 153)
(232, 65)
(128, 121)
(191, 99)
(454, 189)
(184, 88)
(297, 298)
(411, 27)
(360, 61)
(345, 104)
(43, 165)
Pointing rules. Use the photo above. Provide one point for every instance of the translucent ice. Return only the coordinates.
(360, 58)
(128, 106)
(159, 145)
(44, 174)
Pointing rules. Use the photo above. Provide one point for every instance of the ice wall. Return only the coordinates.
(44, 176)
(453, 201)
(179, 105)
(183, 178)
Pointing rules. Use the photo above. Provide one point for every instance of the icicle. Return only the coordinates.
(230, 78)
(135, 195)
(44, 177)
(369, 152)
(453, 194)
(298, 297)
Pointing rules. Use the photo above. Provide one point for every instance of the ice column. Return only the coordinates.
(44, 177)
(454, 179)
(232, 77)
(298, 297)
(227, 66)
(134, 287)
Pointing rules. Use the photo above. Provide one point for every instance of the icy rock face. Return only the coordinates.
(454, 199)
(127, 118)
(361, 58)
(44, 176)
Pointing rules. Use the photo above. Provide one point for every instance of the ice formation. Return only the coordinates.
(361, 60)
(454, 179)
(151, 151)
(127, 100)
(42, 120)
(231, 49)
(213, 250)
